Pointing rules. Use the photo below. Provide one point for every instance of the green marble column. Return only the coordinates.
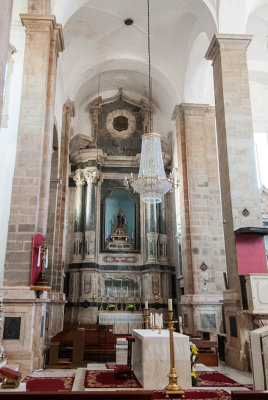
(151, 229)
(79, 223)
(91, 177)
(162, 237)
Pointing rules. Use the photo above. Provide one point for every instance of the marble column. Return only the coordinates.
(78, 251)
(91, 178)
(151, 227)
(29, 202)
(5, 21)
(162, 237)
(241, 206)
(202, 239)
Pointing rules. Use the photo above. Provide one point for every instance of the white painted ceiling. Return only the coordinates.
(103, 54)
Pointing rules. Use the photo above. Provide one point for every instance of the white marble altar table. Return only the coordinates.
(151, 358)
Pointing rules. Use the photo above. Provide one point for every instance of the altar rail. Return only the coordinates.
(94, 395)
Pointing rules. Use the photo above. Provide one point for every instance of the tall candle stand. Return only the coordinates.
(146, 318)
(172, 387)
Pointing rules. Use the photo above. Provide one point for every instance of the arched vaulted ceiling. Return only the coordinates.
(99, 46)
(103, 54)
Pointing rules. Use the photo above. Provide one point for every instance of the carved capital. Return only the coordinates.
(91, 176)
(78, 177)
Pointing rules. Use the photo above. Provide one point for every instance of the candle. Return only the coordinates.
(170, 305)
(180, 325)
(146, 305)
(152, 319)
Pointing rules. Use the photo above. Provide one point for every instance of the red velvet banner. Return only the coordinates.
(38, 239)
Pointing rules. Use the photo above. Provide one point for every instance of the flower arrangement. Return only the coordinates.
(193, 358)
(130, 307)
(111, 307)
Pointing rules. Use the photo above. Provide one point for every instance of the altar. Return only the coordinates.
(123, 322)
(151, 358)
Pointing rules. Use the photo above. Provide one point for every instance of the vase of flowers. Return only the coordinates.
(111, 307)
(193, 359)
(130, 307)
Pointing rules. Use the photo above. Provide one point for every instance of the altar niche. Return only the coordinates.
(120, 214)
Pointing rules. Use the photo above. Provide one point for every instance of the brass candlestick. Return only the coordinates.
(146, 318)
(172, 387)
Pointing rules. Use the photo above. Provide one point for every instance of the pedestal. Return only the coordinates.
(151, 362)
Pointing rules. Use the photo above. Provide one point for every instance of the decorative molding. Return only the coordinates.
(119, 259)
(126, 132)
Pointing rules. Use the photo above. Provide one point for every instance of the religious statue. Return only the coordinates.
(120, 219)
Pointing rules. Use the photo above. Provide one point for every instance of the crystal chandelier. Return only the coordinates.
(152, 183)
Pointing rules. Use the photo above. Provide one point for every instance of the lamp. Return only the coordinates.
(152, 183)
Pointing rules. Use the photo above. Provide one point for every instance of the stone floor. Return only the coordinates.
(121, 358)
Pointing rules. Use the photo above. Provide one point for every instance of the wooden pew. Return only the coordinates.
(73, 342)
(100, 346)
(208, 351)
(88, 395)
(249, 395)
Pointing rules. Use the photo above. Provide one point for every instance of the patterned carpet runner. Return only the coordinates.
(63, 384)
(106, 379)
(215, 379)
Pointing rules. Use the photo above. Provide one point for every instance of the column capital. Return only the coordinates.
(232, 42)
(192, 109)
(78, 177)
(91, 176)
(44, 23)
(69, 108)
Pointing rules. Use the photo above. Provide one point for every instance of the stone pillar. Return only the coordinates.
(5, 21)
(78, 253)
(39, 6)
(59, 246)
(29, 203)
(202, 243)
(162, 237)
(151, 232)
(91, 178)
(241, 205)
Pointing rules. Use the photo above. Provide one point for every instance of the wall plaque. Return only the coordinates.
(12, 328)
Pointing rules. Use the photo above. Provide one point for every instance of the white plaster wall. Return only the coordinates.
(8, 136)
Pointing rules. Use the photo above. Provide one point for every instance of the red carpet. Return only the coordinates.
(49, 384)
(198, 395)
(106, 379)
(214, 379)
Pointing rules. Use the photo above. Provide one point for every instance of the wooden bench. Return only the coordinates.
(76, 346)
(249, 395)
(99, 346)
(91, 395)
(67, 345)
(208, 351)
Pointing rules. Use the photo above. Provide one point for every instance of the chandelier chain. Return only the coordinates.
(149, 62)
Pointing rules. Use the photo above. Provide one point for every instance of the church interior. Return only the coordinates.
(134, 200)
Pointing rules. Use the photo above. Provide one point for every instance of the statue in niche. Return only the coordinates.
(120, 220)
